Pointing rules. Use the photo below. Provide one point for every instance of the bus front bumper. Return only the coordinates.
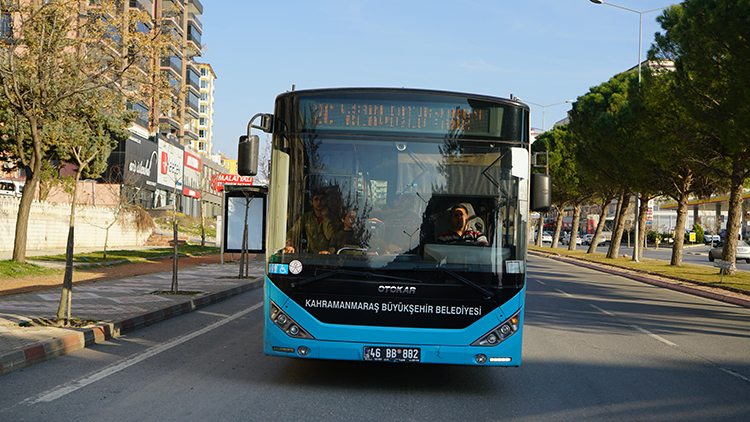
(276, 343)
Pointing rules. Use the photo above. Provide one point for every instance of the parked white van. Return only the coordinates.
(10, 188)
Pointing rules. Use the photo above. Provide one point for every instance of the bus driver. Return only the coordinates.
(461, 233)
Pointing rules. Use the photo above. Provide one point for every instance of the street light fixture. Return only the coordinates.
(636, 245)
(640, 27)
(544, 107)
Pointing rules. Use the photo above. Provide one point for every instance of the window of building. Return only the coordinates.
(202, 121)
(204, 83)
(6, 26)
(204, 109)
(204, 96)
(201, 133)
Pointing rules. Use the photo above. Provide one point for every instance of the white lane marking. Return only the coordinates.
(602, 311)
(735, 374)
(540, 282)
(565, 293)
(68, 388)
(640, 329)
(212, 314)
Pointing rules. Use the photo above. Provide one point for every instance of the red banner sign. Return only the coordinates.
(191, 192)
(235, 179)
(231, 179)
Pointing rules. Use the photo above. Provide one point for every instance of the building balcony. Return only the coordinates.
(191, 112)
(195, 7)
(191, 134)
(194, 47)
(172, 24)
(172, 7)
(192, 82)
(169, 121)
(146, 5)
(173, 63)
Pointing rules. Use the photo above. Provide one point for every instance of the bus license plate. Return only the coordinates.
(392, 354)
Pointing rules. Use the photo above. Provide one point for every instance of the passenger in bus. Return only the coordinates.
(347, 236)
(317, 226)
(461, 233)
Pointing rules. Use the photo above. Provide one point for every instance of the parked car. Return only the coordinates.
(709, 238)
(566, 240)
(587, 239)
(546, 237)
(743, 251)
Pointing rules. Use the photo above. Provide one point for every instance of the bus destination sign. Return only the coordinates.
(427, 118)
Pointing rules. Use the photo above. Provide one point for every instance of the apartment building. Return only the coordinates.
(204, 144)
(162, 158)
(168, 154)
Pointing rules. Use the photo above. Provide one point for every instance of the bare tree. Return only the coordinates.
(125, 187)
(61, 52)
(85, 138)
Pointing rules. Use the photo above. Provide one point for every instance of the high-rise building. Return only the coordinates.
(177, 110)
(166, 161)
(204, 144)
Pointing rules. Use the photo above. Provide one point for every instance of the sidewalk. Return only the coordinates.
(119, 306)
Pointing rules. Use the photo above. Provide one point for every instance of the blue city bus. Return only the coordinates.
(365, 258)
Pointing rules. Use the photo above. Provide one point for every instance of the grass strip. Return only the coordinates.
(696, 273)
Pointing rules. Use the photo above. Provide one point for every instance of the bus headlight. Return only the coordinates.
(287, 325)
(498, 334)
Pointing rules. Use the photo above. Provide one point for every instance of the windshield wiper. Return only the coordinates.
(486, 293)
(365, 274)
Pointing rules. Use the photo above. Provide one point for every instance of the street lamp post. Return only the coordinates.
(636, 245)
(544, 107)
(640, 27)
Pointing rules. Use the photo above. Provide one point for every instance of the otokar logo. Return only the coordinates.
(404, 290)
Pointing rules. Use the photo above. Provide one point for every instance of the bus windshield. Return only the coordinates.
(402, 206)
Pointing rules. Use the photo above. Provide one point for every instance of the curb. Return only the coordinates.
(648, 280)
(101, 332)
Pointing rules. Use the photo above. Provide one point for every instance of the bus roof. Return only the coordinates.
(401, 91)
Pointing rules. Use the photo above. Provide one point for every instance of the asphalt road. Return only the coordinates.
(596, 347)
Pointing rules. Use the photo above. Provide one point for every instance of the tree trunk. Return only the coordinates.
(679, 230)
(558, 227)
(24, 211)
(175, 287)
(574, 226)
(642, 219)
(203, 223)
(617, 231)
(599, 226)
(106, 240)
(242, 253)
(540, 229)
(616, 220)
(734, 218)
(247, 254)
(66, 297)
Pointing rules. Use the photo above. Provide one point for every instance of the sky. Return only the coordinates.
(542, 51)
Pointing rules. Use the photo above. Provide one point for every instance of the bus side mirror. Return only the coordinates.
(247, 157)
(541, 192)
